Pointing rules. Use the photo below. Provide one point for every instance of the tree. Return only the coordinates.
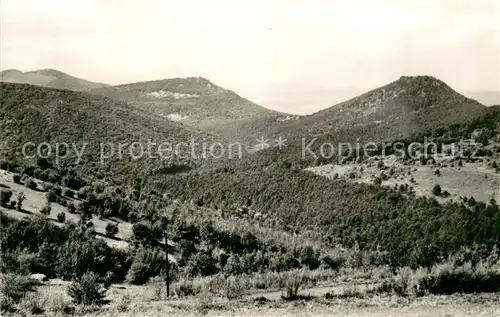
(142, 231)
(51, 196)
(111, 229)
(30, 183)
(68, 193)
(16, 178)
(71, 208)
(46, 209)
(146, 263)
(21, 197)
(61, 217)
(57, 190)
(437, 190)
(380, 164)
(5, 196)
(43, 163)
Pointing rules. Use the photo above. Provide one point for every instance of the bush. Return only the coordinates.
(380, 164)
(13, 288)
(47, 186)
(71, 208)
(61, 217)
(187, 287)
(32, 303)
(436, 190)
(292, 284)
(147, 263)
(233, 288)
(72, 182)
(68, 193)
(21, 197)
(51, 196)
(16, 178)
(12, 204)
(5, 195)
(30, 183)
(83, 192)
(87, 290)
(142, 231)
(46, 209)
(57, 190)
(444, 279)
(331, 263)
(111, 229)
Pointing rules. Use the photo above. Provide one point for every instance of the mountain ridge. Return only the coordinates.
(196, 102)
(35, 114)
(409, 105)
(49, 77)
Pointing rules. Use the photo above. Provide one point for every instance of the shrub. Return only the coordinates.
(12, 204)
(292, 284)
(83, 192)
(331, 263)
(444, 279)
(5, 195)
(8, 165)
(21, 197)
(51, 196)
(46, 209)
(71, 208)
(47, 186)
(57, 190)
(436, 190)
(233, 288)
(30, 183)
(61, 217)
(33, 303)
(142, 231)
(201, 263)
(87, 290)
(380, 164)
(13, 288)
(111, 229)
(146, 263)
(68, 193)
(187, 287)
(16, 178)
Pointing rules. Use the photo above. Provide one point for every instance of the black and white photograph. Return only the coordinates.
(250, 158)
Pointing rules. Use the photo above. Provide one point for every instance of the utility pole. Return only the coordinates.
(167, 265)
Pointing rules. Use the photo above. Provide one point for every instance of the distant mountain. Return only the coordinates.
(487, 98)
(304, 99)
(196, 102)
(300, 99)
(39, 114)
(48, 78)
(410, 105)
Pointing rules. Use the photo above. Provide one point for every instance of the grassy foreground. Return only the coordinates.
(141, 301)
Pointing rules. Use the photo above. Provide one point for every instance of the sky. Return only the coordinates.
(252, 46)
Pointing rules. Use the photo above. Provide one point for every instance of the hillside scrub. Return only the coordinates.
(444, 279)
